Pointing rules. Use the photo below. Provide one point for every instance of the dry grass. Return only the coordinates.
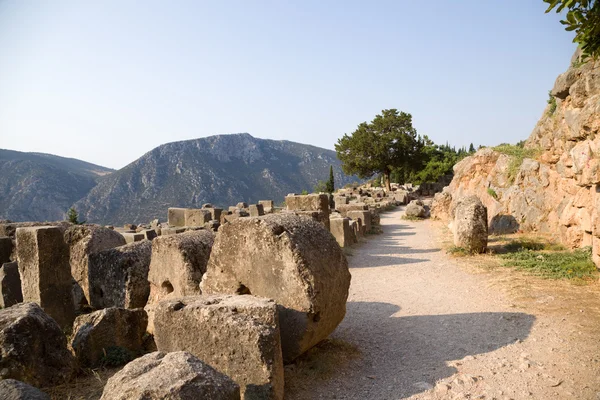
(87, 386)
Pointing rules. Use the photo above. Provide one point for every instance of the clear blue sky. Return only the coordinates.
(107, 81)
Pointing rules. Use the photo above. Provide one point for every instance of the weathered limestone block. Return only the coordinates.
(45, 271)
(149, 234)
(363, 216)
(339, 200)
(236, 335)
(344, 208)
(309, 202)
(215, 213)
(94, 334)
(317, 216)
(256, 210)
(197, 216)
(290, 259)
(470, 224)
(9, 229)
(11, 389)
(241, 205)
(268, 205)
(178, 264)
(83, 241)
(6, 248)
(415, 210)
(171, 231)
(33, 347)
(10, 285)
(131, 237)
(176, 217)
(341, 231)
(357, 228)
(212, 225)
(119, 276)
(177, 376)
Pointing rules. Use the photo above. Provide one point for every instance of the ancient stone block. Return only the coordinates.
(236, 335)
(197, 216)
(212, 225)
(242, 205)
(10, 285)
(470, 224)
(119, 277)
(415, 209)
(341, 231)
(268, 205)
(256, 210)
(11, 389)
(176, 217)
(6, 248)
(83, 241)
(45, 271)
(361, 215)
(149, 234)
(215, 213)
(33, 347)
(339, 200)
(171, 231)
(131, 237)
(178, 375)
(96, 334)
(344, 208)
(309, 202)
(288, 258)
(178, 264)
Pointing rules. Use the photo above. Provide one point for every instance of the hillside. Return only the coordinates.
(222, 169)
(551, 185)
(37, 186)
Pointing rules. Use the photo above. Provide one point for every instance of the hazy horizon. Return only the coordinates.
(108, 82)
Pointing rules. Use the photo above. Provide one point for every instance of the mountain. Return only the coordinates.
(222, 170)
(37, 186)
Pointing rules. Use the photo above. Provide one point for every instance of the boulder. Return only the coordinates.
(415, 209)
(33, 347)
(45, 271)
(119, 276)
(176, 217)
(10, 285)
(177, 376)
(236, 335)
(83, 241)
(341, 231)
(117, 330)
(11, 389)
(291, 259)
(470, 224)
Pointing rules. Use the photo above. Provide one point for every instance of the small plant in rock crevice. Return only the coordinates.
(552, 102)
(492, 193)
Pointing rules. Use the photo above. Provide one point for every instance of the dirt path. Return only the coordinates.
(422, 325)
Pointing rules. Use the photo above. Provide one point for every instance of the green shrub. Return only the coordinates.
(576, 264)
(115, 356)
(552, 101)
(492, 193)
(304, 192)
(517, 154)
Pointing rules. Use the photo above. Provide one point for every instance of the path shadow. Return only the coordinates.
(401, 356)
(373, 261)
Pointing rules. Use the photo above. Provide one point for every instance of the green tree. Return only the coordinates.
(471, 148)
(330, 184)
(386, 143)
(73, 216)
(320, 187)
(583, 17)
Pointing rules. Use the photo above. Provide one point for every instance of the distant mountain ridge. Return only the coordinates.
(38, 186)
(221, 169)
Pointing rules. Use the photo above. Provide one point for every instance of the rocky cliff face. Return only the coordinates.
(42, 187)
(553, 185)
(222, 170)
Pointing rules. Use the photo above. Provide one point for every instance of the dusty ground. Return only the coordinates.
(424, 325)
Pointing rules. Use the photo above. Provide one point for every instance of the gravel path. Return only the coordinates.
(422, 325)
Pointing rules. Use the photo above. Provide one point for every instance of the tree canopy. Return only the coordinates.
(380, 146)
(583, 17)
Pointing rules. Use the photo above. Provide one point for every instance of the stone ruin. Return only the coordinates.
(227, 295)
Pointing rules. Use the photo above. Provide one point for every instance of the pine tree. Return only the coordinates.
(73, 216)
(330, 185)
